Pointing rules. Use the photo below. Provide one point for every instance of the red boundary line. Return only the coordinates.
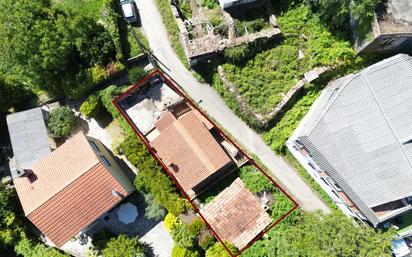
(252, 161)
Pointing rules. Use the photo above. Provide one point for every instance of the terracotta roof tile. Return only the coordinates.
(189, 150)
(236, 215)
(78, 205)
(55, 171)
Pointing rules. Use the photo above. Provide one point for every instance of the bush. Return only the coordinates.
(278, 135)
(205, 241)
(91, 107)
(98, 74)
(196, 226)
(255, 180)
(171, 221)
(236, 54)
(61, 121)
(209, 4)
(27, 248)
(218, 250)
(183, 252)
(183, 236)
(136, 74)
(153, 210)
(101, 239)
(125, 247)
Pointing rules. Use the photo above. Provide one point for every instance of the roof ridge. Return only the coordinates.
(334, 97)
(386, 120)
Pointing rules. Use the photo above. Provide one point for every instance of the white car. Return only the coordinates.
(129, 10)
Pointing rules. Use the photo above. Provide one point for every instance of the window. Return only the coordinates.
(93, 144)
(105, 161)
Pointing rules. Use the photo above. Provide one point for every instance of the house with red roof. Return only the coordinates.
(66, 191)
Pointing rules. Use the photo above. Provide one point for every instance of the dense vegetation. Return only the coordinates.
(263, 78)
(314, 234)
(125, 247)
(61, 121)
(51, 48)
(172, 28)
(13, 231)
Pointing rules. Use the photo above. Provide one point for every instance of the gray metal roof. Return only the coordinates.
(362, 133)
(29, 136)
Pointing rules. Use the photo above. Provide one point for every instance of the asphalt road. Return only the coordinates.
(212, 103)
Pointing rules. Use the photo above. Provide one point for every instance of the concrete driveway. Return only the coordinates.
(216, 108)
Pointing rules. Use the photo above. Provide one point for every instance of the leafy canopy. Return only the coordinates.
(125, 247)
(61, 121)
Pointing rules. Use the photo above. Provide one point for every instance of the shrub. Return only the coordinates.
(255, 180)
(91, 106)
(61, 121)
(183, 236)
(205, 241)
(209, 4)
(196, 226)
(153, 210)
(27, 248)
(171, 221)
(218, 250)
(135, 74)
(236, 54)
(98, 74)
(125, 247)
(101, 238)
(183, 252)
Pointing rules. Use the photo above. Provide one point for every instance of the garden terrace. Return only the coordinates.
(197, 155)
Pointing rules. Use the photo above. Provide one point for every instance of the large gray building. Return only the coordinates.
(356, 141)
(390, 31)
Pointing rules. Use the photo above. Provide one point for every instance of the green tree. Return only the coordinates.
(61, 121)
(125, 247)
(28, 248)
(48, 48)
(13, 94)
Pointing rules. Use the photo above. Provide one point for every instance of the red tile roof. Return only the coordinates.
(236, 215)
(78, 205)
(188, 148)
(71, 191)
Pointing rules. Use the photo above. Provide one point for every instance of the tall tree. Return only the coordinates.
(49, 48)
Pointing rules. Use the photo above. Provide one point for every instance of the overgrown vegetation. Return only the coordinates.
(14, 235)
(262, 79)
(209, 4)
(191, 239)
(51, 48)
(172, 29)
(314, 234)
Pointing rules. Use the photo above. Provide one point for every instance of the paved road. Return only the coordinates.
(216, 108)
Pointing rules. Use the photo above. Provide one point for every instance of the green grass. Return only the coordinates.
(91, 8)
